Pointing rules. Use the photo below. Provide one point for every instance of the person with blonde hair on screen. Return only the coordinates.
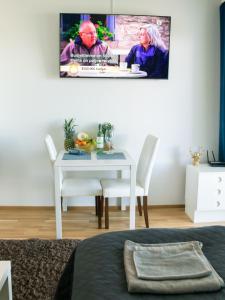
(151, 53)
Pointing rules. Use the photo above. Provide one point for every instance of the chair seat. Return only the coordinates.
(119, 188)
(76, 187)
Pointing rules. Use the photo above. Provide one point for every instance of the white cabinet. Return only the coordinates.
(205, 193)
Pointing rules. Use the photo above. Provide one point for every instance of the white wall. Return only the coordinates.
(183, 111)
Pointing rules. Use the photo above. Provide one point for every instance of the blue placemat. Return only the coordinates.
(116, 155)
(85, 156)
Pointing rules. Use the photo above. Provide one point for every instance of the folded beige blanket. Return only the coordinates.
(179, 261)
(196, 273)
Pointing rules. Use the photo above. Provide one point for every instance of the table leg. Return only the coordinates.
(132, 196)
(58, 214)
(9, 283)
(121, 200)
(6, 283)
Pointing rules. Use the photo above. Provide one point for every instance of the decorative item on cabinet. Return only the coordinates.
(196, 156)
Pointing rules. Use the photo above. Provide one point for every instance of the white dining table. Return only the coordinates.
(93, 164)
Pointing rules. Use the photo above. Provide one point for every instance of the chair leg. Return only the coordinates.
(145, 208)
(139, 206)
(100, 205)
(96, 205)
(64, 204)
(107, 213)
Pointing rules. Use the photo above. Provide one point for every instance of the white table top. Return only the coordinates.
(94, 162)
(5, 269)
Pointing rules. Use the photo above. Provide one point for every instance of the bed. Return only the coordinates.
(96, 271)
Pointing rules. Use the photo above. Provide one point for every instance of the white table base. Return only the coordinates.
(61, 166)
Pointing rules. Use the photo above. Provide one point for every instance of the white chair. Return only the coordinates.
(75, 187)
(121, 187)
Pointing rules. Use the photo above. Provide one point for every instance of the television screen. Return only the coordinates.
(114, 46)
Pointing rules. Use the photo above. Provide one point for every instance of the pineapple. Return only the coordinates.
(69, 134)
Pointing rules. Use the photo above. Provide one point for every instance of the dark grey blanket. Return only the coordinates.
(99, 267)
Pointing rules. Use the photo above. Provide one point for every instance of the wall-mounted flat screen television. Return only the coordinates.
(114, 46)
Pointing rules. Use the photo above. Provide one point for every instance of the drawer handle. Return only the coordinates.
(219, 192)
(217, 203)
(219, 179)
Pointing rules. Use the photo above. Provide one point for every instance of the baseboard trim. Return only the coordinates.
(88, 207)
(167, 206)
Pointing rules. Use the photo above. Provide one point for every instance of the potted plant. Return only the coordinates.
(102, 31)
(107, 129)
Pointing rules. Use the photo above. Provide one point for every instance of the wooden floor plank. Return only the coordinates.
(81, 222)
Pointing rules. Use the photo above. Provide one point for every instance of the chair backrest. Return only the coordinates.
(146, 161)
(51, 148)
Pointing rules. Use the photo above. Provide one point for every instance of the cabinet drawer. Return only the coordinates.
(211, 191)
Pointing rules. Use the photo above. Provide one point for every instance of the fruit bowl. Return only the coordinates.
(85, 142)
(87, 146)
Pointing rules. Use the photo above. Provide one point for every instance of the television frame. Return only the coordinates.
(117, 77)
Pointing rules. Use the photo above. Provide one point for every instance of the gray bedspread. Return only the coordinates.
(99, 266)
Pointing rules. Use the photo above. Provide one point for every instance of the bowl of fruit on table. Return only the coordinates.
(84, 142)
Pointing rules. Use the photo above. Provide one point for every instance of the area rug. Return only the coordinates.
(36, 265)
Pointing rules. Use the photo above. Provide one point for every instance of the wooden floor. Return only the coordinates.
(80, 223)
